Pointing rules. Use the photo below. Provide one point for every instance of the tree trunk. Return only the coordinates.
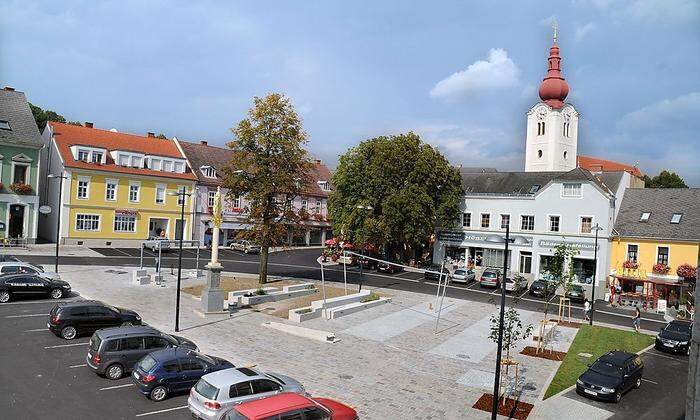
(264, 252)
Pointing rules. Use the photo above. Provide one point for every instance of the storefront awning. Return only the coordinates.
(655, 280)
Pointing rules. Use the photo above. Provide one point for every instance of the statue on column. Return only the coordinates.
(213, 295)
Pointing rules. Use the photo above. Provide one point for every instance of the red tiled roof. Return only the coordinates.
(67, 135)
(597, 165)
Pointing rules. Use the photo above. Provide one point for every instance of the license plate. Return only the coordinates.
(668, 345)
(588, 391)
(136, 375)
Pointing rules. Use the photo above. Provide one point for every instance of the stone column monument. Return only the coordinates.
(213, 295)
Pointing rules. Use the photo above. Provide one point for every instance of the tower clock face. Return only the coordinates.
(567, 116)
(541, 113)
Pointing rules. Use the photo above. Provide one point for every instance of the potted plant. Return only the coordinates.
(630, 265)
(660, 268)
(686, 271)
(21, 188)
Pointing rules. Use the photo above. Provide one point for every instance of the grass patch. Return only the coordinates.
(596, 341)
(371, 297)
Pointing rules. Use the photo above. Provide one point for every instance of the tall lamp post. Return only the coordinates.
(181, 195)
(58, 216)
(518, 240)
(362, 251)
(597, 229)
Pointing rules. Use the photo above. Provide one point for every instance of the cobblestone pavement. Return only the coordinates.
(391, 363)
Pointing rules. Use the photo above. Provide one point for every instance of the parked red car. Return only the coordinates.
(290, 405)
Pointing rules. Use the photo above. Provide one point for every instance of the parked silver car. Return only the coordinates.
(245, 246)
(516, 284)
(154, 242)
(13, 267)
(217, 392)
(462, 275)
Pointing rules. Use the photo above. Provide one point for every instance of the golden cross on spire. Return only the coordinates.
(555, 27)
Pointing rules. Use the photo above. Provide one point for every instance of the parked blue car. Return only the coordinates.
(173, 370)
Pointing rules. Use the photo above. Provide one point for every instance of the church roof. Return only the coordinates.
(594, 164)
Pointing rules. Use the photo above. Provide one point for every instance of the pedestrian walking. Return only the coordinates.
(587, 309)
(637, 317)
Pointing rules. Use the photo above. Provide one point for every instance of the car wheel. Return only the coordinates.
(69, 332)
(159, 393)
(114, 372)
(638, 383)
(56, 294)
(618, 397)
(245, 251)
(4, 296)
(126, 324)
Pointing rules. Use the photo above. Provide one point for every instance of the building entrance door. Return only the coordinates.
(16, 225)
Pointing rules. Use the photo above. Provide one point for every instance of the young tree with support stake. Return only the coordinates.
(270, 167)
(513, 331)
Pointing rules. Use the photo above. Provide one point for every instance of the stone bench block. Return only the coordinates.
(302, 286)
(351, 308)
(341, 300)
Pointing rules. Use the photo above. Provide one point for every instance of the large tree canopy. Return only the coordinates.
(43, 116)
(270, 167)
(665, 179)
(392, 190)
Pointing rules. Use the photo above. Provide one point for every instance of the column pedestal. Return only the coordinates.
(213, 295)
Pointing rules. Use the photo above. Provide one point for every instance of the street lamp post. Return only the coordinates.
(58, 215)
(181, 193)
(596, 228)
(504, 240)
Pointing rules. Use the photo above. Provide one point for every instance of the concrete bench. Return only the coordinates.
(275, 296)
(340, 300)
(301, 286)
(351, 308)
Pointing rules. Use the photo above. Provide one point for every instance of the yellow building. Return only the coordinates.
(117, 187)
(656, 231)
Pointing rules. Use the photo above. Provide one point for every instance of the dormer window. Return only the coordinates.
(645, 216)
(83, 155)
(676, 218)
(96, 157)
(123, 160)
(208, 171)
(88, 154)
(324, 185)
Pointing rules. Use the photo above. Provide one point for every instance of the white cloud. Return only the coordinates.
(665, 11)
(582, 31)
(665, 114)
(497, 72)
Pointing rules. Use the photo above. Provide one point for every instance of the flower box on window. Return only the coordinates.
(630, 265)
(660, 268)
(686, 271)
(20, 188)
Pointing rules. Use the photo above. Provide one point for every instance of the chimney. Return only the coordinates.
(88, 124)
(318, 161)
(151, 134)
(203, 142)
(8, 88)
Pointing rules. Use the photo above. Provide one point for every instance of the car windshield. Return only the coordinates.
(605, 368)
(206, 389)
(678, 327)
(489, 274)
(146, 364)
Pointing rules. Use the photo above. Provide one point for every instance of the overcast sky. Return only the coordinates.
(462, 74)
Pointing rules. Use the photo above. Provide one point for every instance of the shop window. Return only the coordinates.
(583, 270)
(125, 223)
(554, 223)
(466, 219)
(505, 221)
(525, 262)
(632, 252)
(88, 222)
(527, 222)
(493, 258)
(485, 220)
(586, 224)
(662, 255)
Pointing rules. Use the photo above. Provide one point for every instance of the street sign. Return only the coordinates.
(45, 209)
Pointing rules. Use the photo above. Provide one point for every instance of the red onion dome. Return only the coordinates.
(554, 88)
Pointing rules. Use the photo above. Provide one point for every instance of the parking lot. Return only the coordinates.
(44, 376)
(663, 387)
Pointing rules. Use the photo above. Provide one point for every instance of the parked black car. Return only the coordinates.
(675, 337)
(8, 258)
(388, 268)
(576, 293)
(611, 375)
(172, 370)
(541, 288)
(114, 351)
(31, 285)
(433, 272)
(68, 320)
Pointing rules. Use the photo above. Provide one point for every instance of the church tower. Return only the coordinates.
(552, 124)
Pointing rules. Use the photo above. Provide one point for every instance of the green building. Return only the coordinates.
(20, 143)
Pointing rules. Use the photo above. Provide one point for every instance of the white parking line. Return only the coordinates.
(25, 316)
(67, 345)
(653, 353)
(115, 387)
(77, 366)
(37, 330)
(161, 411)
(651, 382)
(35, 302)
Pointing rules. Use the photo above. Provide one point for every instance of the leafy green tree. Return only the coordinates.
(75, 123)
(42, 116)
(161, 136)
(665, 179)
(270, 167)
(561, 270)
(393, 191)
(513, 330)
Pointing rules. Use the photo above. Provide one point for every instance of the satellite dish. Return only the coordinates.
(45, 209)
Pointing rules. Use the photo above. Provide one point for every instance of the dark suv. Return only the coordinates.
(675, 337)
(611, 375)
(432, 272)
(114, 351)
(173, 370)
(68, 320)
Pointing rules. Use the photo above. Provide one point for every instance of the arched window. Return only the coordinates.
(543, 128)
(539, 154)
(539, 129)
